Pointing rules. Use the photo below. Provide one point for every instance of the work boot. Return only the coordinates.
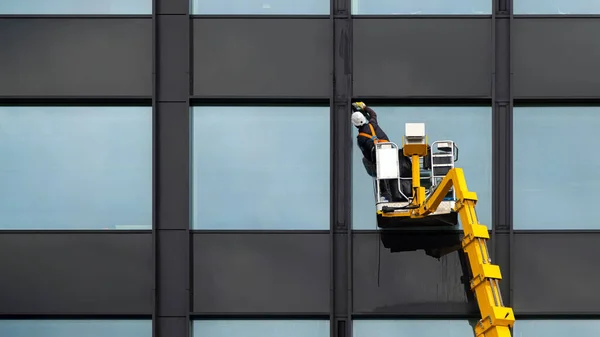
(384, 188)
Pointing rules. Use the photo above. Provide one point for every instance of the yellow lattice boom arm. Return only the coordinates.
(496, 318)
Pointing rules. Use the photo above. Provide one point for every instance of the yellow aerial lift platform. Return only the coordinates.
(440, 203)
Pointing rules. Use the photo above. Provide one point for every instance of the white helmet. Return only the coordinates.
(358, 119)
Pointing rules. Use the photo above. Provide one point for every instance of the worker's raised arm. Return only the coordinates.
(372, 115)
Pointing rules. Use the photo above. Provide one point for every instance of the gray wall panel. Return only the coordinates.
(556, 273)
(261, 273)
(410, 282)
(556, 57)
(262, 57)
(76, 57)
(62, 273)
(415, 57)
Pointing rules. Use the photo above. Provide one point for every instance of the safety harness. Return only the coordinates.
(373, 135)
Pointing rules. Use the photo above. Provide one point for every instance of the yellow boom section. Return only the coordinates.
(496, 318)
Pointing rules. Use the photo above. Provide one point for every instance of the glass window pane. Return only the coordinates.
(554, 161)
(33, 7)
(76, 168)
(417, 7)
(261, 167)
(261, 7)
(469, 127)
(556, 7)
(556, 328)
(256, 328)
(76, 328)
(412, 328)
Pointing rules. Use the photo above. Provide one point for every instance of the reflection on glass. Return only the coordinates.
(420, 7)
(76, 328)
(261, 167)
(412, 328)
(261, 7)
(469, 127)
(556, 328)
(555, 164)
(261, 328)
(556, 7)
(75, 168)
(33, 7)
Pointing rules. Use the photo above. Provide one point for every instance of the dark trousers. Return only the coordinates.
(389, 188)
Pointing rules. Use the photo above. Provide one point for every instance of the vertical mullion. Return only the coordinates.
(172, 198)
(495, 123)
(501, 111)
(334, 289)
(154, 169)
(502, 132)
(509, 145)
(342, 173)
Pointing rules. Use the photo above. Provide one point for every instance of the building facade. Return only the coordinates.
(189, 169)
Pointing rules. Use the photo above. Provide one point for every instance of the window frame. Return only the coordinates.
(54, 8)
(195, 10)
(527, 7)
(311, 324)
(324, 113)
(355, 10)
(425, 327)
(80, 324)
(138, 209)
(554, 324)
(521, 158)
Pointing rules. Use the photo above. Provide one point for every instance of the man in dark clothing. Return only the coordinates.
(369, 133)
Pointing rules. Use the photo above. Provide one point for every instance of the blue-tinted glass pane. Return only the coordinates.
(261, 167)
(75, 328)
(556, 7)
(261, 7)
(556, 328)
(411, 328)
(255, 328)
(75, 168)
(417, 7)
(76, 7)
(555, 165)
(469, 127)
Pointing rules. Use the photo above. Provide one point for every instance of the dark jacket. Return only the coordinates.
(366, 145)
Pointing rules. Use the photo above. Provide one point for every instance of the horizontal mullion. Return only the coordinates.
(556, 231)
(76, 16)
(75, 231)
(144, 101)
(259, 16)
(423, 16)
(78, 315)
(426, 100)
(556, 315)
(417, 315)
(266, 316)
(258, 231)
(556, 16)
(257, 101)
(556, 101)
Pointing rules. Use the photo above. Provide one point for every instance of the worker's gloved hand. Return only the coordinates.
(358, 106)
